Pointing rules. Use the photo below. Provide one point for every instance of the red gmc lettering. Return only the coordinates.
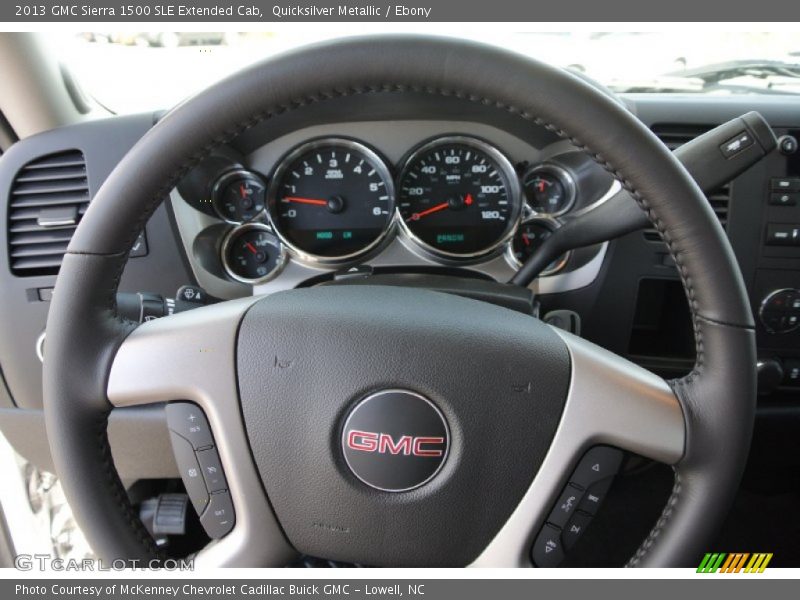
(362, 440)
(383, 443)
(386, 444)
(419, 442)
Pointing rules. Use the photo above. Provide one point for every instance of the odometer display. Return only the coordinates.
(331, 200)
(458, 197)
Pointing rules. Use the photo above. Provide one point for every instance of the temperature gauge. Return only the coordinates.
(252, 253)
(239, 196)
(549, 189)
(528, 238)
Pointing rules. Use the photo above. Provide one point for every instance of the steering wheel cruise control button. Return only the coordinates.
(598, 463)
(547, 550)
(188, 421)
(190, 472)
(212, 470)
(218, 518)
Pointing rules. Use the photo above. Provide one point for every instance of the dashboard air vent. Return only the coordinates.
(675, 136)
(48, 197)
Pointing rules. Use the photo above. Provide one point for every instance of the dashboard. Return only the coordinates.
(446, 187)
(440, 195)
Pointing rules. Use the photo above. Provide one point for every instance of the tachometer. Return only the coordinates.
(331, 200)
(458, 197)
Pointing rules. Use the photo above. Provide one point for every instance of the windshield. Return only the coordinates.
(137, 71)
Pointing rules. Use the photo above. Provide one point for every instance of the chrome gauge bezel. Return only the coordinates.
(514, 193)
(566, 179)
(762, 310)
(223, 180)
(378, 162)
(232, 234)
(550, 223)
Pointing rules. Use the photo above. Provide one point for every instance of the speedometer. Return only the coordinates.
(458, 197)
(331, 200)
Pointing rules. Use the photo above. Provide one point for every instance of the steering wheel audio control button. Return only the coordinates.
(576, 505)
(567, 504)
(190, 472)
(212, 470)
(595, 495)
(189, 422)
(548, 551)
(598, 463)
(218, 518)
(575, 528)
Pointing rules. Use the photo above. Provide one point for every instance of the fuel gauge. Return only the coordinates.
(252, 254)
(239, 196)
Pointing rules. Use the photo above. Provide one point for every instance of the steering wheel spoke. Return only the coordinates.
(611, 402)
(191, 357)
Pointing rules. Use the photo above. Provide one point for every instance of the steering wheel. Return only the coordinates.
(491, 409)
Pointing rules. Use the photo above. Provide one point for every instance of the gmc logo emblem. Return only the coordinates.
(383, 443)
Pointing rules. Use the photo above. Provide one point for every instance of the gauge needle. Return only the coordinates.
(432, 209)
(251, 248)
(243, 191)
(526, 239)
(298, 200)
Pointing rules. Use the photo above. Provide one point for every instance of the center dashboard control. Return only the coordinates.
(787, 144)
(576, 505)
(783, 234)
(200, 467)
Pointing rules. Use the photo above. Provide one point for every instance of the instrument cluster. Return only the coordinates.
(335, 201)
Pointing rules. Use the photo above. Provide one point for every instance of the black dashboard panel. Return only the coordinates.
(158, 265)
(629, 305)
(749, 213)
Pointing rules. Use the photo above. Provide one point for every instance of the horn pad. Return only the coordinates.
(396, 425)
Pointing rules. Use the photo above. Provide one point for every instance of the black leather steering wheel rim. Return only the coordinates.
(84, 330)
